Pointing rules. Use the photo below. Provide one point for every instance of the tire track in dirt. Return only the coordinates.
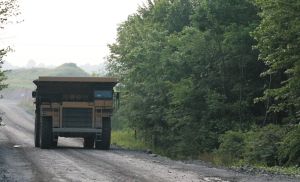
(109, 169)
(47, 165)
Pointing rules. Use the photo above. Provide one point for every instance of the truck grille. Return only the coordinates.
(77, 117)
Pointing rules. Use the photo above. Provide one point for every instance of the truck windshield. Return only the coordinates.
(103, 94)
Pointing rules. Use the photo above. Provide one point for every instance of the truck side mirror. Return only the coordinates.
(33, 94)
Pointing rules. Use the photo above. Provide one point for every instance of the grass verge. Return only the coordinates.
(126, 139)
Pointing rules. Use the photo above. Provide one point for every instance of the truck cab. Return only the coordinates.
(74, 107)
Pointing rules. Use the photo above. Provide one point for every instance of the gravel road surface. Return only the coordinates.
(21, 161)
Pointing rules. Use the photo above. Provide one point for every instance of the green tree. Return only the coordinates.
(8, 9)
(189, 74)
(278, 42)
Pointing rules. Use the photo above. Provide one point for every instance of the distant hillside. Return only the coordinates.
(20, 83)
(22, 78)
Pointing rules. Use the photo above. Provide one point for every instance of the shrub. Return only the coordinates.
(289, 151)
(232, 147)
(262, 145)
(267, 146)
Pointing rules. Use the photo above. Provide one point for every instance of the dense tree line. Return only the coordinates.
(196, 74)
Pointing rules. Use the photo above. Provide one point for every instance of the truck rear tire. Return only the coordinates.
(36, 132)
(88, 142)
(104, 143)
(55, 141)
(54, 144)
(46, 132)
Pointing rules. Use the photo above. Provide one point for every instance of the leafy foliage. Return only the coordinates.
(190, 75)
(186, 83)
(290, 148)
(262, 145)
(8, 9)
(232, 147)
(278, 42)
(271, 145)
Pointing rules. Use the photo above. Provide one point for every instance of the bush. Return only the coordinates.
(259, 146)
(232, 147)
(262, 145)
(289, 151)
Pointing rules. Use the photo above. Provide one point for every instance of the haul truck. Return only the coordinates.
(73, 107)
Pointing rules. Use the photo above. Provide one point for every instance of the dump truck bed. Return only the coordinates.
(76, 79)
(57, 89)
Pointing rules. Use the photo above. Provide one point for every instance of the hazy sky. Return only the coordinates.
(59, 31)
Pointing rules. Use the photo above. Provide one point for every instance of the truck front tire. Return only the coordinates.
(55, 141)
(46, 132)
(104, 142)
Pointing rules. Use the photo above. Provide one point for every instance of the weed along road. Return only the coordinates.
(21, 161)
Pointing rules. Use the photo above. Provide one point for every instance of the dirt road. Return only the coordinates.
(21, 161)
